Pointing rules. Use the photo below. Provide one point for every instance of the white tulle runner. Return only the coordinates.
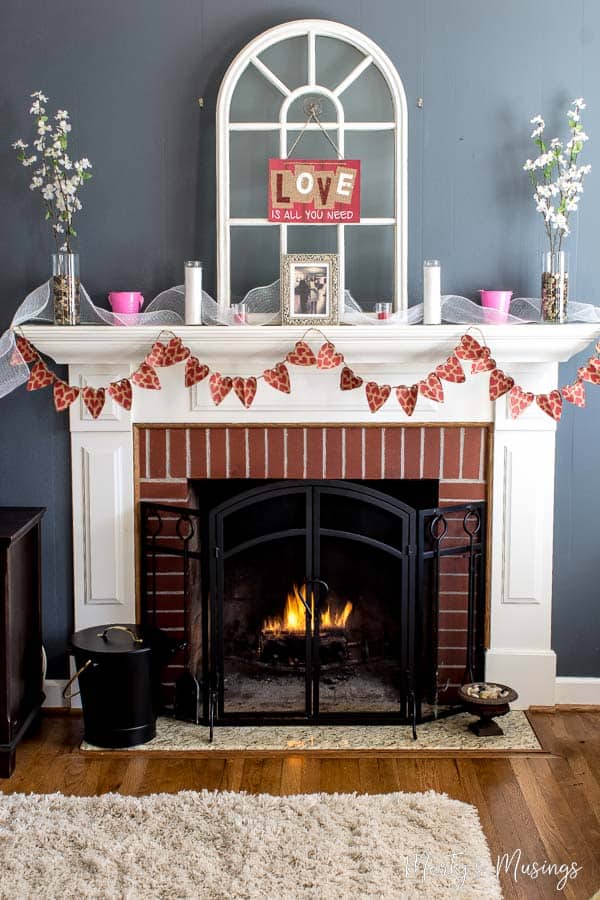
(167, 309)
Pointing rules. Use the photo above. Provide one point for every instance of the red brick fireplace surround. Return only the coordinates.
(169, 459)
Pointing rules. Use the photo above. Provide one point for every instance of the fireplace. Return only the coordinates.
(172, 438)
(318, 601)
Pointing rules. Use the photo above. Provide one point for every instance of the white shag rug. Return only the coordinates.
(225, 846)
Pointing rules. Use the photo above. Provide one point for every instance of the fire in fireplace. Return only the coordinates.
(281, 641)
(320, 601)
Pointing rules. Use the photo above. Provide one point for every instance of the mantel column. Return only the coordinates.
(520, 652)
(103, 504)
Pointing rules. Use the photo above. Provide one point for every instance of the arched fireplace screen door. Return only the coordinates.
(311, 605)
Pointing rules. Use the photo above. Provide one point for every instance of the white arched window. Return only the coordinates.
(261, 110)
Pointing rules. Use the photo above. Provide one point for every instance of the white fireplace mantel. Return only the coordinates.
(522, 470)
(261, 346)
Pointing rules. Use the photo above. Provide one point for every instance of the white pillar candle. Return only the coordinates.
(432, 294)
(193, 292)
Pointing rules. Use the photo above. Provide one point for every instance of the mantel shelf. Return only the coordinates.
(363, 345)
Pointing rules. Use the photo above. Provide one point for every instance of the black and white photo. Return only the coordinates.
(309, 286)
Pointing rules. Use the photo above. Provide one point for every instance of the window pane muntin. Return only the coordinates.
(288, 60)
(335, 59)
(254, 99)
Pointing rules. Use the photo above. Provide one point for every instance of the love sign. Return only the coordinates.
(320, 191)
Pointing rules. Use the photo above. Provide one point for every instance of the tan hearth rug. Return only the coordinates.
(451, 734)
(226, 846)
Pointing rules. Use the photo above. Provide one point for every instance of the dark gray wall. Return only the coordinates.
(129, 71)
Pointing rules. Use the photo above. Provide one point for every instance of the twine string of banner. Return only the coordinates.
(467, 351)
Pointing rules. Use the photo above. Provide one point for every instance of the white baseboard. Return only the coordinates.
(53, 688)
(575, 691)
(532, 673)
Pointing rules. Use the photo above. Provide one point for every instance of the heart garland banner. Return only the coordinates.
(468, 351)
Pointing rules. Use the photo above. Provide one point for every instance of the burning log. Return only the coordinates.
(283, 639)
(288, 648)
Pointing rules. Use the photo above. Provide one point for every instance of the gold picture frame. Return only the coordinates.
(310, 289)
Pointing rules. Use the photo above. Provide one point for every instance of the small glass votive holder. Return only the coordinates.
(239, 314)
(383, 311)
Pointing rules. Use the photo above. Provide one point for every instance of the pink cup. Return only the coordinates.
(497, 306)
(125, 302)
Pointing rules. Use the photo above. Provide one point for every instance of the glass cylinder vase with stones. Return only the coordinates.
(555, 286)
(65, 288)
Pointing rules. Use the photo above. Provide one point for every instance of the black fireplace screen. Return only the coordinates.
(319, 601)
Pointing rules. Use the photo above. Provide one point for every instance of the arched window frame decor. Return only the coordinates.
(250, 56)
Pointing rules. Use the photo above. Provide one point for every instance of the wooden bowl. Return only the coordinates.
(487, 708)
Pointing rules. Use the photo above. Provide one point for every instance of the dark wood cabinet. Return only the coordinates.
(20, 627)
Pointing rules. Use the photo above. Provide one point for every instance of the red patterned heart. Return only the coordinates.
(40, 376)
(348, 380)
(377, 394)
(407, 397)
(156, 357)
(302, 355)
(500, 384)
(432, 388)
(584, 373)
(575, 393)
(518, 401)
(176, 352)
(94, 400)
(64, 395)
(245, 388)
(485, 363)
(451, 370)
(593, 364)
(168, 354)
(195, 371)
(220, 386)
(551, 404)
(328, 358)
(468, 348)
(279, 378)
(27, 350)
(145, 377)
(121, 392)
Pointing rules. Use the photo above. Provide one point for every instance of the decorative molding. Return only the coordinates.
(250, 347)
(521, 532)
(111, 412)
(102, 493)
(113, 417)
(103, 551)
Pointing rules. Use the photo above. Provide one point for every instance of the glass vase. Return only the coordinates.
(555, 286)
(65, 288)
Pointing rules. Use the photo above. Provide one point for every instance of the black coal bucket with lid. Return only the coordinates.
(118, 667)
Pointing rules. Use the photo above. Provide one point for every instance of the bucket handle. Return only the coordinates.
(74, 678)
(134, 637)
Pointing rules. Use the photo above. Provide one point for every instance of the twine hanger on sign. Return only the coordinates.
(313, 109)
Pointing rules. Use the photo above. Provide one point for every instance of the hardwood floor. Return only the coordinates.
(548, 806)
